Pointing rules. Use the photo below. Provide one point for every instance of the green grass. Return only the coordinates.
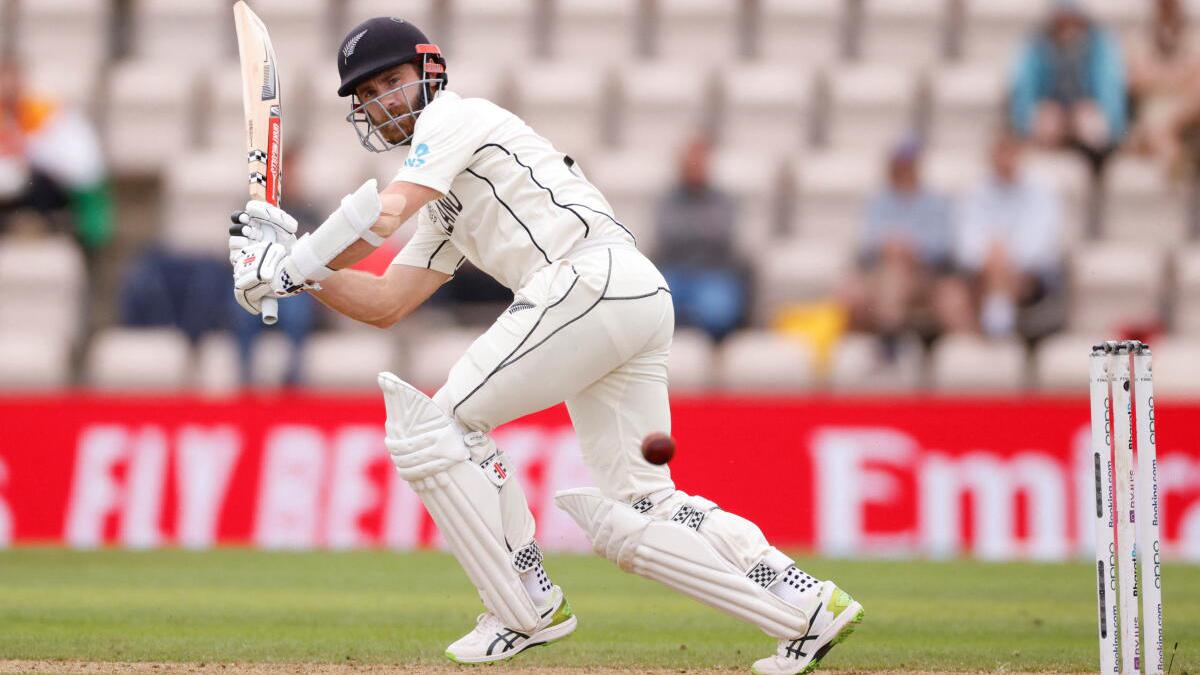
(242, 605)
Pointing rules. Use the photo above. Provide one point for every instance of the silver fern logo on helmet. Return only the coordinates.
(348, 49)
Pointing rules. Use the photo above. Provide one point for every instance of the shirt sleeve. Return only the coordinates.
(430, 248)
(974, 231)
(448, 133)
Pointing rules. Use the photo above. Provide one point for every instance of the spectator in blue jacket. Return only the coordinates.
(1068, 88)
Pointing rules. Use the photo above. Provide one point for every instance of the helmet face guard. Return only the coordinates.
(370, 131)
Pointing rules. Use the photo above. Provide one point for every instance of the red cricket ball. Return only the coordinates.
(658, 448)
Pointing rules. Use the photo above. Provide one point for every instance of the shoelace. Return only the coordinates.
(487, 624)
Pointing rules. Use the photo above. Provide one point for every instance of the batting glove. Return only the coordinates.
(251, 225)
(264, 269)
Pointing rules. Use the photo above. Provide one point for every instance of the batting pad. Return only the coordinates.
(677, 555)
(463, 501)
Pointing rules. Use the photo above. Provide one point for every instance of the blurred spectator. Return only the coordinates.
(1164, 81)
(904, 257)
(163, 288)
(696, 252)
(50, 162)
(1010, 246)
(1068, 89)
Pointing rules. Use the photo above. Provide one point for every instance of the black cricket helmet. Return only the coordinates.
(373, 47)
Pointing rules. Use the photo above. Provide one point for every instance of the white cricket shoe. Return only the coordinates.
(835, 618)
(492, 641)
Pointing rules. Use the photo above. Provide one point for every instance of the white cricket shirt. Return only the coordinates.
(512, 204)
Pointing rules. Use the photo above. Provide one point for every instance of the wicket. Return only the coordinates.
(1122, 414)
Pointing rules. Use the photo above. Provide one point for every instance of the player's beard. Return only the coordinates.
(397, 123)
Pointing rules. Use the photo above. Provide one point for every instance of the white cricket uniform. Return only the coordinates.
(591, 320)
(590, 324)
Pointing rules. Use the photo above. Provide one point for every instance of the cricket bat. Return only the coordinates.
(264, 120)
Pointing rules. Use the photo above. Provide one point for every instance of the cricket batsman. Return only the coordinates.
(590, 324)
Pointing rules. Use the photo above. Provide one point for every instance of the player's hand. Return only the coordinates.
(251, 225)
(264, 269)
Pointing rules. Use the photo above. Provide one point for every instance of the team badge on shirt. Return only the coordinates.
(416, 159)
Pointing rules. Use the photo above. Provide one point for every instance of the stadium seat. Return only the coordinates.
(217, 369)
(41, 285)
(1176, 367)
(200, 191)
(664, 104)
(72, 31)
(34, 360)
(755, 360)
(857, 366)
(1069, 175)
(871, 105)
(903, 32)
(73, 84)
(697, 31)
(1140, 204)
(564, 103)
(301, 32)
(831, 190)
(768, 108)
(1114, 283)
(994, 31)
(799, 270)
(969, 364)
(800, 32)
(1129, 21)
(954, 172)
(432, 356)
(137, 359)
(586, 31)
(480, 30)
(270, 359)
(634, 183)
(149, 116)
(965, 106)
(1186, 314)
(428, 15)
(191, 33)
(753, 181)
(690, 364)
(347, 360)
(1060, 362)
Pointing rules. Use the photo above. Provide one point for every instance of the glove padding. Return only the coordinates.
(264, 269)
(251, 225)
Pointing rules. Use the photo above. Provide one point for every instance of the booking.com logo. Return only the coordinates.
(415, 160)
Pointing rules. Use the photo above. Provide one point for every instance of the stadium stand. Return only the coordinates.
(803, 97)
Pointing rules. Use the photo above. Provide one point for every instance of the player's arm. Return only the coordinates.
(398, 202)
(380, 300)
(363, 221)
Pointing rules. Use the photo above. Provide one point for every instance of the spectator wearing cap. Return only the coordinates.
(1009, 246)
(904, 257)
(1068, 88)
(696, 251)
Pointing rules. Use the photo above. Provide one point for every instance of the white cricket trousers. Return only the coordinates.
(593, 330)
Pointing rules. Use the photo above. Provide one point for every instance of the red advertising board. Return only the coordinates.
(993, 478)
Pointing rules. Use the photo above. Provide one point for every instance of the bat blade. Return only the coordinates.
(264, 117)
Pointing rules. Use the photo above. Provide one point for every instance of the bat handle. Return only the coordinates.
(270, 306)
(270, 311)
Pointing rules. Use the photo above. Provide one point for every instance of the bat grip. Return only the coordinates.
(270, 305)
